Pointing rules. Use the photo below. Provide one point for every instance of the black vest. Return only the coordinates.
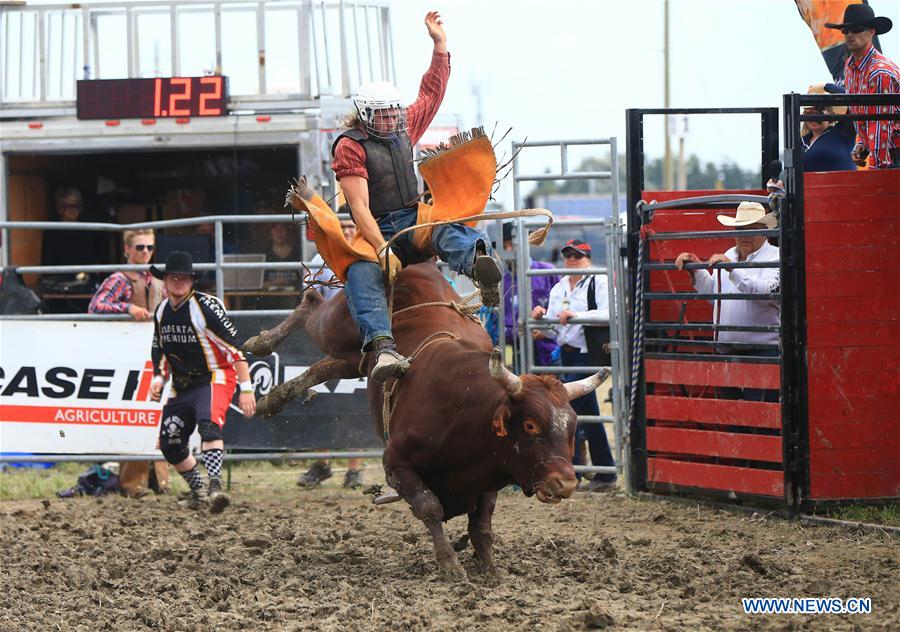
(392, 178)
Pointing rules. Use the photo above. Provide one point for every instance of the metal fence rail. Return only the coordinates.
(218, 264)
(523, 349)
(47, 48)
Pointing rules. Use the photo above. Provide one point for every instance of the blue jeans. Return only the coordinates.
(594, 433)
(454, 243)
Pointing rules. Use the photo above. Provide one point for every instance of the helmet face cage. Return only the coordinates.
(380, 109)
(383, 121)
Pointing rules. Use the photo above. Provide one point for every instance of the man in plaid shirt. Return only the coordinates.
(869, 72)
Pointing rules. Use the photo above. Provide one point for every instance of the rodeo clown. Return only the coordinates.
(373, 160)
(194, 342)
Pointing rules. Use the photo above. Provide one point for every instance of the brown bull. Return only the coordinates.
(462, 426)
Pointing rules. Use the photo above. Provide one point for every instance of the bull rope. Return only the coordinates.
(387, 407)
(464, 307)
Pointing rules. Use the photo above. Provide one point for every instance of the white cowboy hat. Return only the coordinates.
(749, 213)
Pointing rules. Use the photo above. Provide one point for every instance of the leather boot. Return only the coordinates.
(388, 363)
(486, 273)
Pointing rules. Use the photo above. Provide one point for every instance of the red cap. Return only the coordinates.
(578, 246)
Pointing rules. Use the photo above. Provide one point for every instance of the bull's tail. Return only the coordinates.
(268, 340)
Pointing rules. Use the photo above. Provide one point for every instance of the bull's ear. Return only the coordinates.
(499, 423)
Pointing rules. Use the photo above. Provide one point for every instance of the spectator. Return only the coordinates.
(321, 470)
(69, 248)
(749, 216)
(827, 144)
(283, 247)
(569, 299)
(544, 347)
(138, 294)
(869, 72)
(131, 292)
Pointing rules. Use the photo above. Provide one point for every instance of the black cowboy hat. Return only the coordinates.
(177, 263)
(863, 15)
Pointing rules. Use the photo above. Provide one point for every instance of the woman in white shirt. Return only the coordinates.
(570, 298)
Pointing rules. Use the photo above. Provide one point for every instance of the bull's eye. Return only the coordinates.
(531, 427)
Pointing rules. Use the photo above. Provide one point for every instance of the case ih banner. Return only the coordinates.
(82, 388)
(76, 388)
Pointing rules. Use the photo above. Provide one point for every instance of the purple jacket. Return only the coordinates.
(540, 294)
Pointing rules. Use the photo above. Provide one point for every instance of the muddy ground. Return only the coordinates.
(327, 559)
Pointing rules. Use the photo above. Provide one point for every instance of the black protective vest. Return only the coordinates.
(392, 178)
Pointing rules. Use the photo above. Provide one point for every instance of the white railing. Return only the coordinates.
(271, 50)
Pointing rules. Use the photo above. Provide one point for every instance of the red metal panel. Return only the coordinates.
(723, 477)
(873, 309)
(728, 445)
(822, 361)
(851, 196)
(669, 311)
(852, 258)
(870, 459)
(821, 335)
(713, 373)
(844, 234)
(714, 411)
(854, 434)
(852, 284)
(832, 406)
(855, 485)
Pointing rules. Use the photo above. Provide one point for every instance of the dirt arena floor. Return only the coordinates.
(329, 560)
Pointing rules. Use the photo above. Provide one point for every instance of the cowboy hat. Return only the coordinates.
(177, 263)
(829, 88)
(749, 213)
(862, 15)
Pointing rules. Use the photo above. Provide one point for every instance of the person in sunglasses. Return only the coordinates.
(580, 296)
(131, 292)
(867, 71)
(136, 293)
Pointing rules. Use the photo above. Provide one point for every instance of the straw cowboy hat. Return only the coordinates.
(749, 213)
(862, 15)
(829, 88)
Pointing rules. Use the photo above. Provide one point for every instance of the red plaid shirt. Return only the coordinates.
(115, 294)
(875, 74)
(350, 157)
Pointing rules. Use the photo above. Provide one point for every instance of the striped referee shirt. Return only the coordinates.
(196, 341)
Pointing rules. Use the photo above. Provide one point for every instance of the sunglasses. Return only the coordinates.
(853, 29)
(143, 247)
(573, 255)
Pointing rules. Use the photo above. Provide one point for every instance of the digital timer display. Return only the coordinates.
(162, 97)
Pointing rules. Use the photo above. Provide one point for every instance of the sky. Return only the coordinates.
(561, 69)
(569, 69)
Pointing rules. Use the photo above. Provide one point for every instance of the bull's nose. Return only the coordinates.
(560, 486)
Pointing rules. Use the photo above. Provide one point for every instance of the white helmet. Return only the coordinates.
(380, 108)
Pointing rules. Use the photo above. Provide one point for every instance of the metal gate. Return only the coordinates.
(612, 228)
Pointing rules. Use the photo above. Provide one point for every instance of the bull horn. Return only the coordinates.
(588, 384)
(510, 382)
